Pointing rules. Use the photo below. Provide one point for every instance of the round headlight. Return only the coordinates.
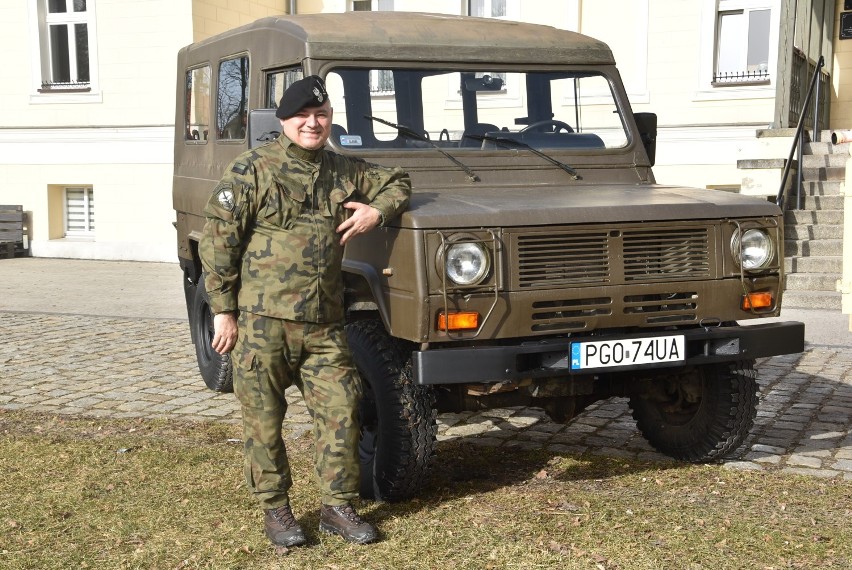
(753, 249)
(466, 263)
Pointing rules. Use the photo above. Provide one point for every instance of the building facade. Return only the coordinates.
(87, 121)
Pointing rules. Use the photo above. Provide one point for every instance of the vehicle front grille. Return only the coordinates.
(612, 257)
(561, 260)
(665, 255)
(568, 315)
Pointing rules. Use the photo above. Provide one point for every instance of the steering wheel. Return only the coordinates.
(556, 125)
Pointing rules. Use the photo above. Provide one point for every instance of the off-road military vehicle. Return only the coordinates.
(538, 265)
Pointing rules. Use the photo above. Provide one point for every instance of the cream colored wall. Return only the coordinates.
(121, 145)
(117, 140)
(841, 119)
(841, 79)
(133, 219)
(663, 49)
(210, 17)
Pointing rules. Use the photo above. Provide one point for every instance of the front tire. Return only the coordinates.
(701, 414)
(214, 367)
(398, 428)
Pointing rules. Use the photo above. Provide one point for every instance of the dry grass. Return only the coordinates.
(105, 494)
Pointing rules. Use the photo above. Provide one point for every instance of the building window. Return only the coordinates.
(381, 81)
(66, 45)
(372, 6)
(79, 212)
(232, 97)
(487, 8)
(742, 42)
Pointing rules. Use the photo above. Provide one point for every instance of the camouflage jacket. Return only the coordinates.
(270, 245)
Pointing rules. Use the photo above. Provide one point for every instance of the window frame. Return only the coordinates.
(706, 89)
(188, 100)
(375, 5)
(40, 63)
(88, 206)
(745, 9)
(218, 99)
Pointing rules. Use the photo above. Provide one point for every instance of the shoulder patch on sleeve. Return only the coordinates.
(225, 197)
(239, 168)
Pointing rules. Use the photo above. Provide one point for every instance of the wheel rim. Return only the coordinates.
(206, 331)
(684, 401)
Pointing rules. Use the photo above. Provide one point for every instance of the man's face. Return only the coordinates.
(310, 127)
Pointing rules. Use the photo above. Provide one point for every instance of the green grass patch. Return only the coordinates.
(110, 494)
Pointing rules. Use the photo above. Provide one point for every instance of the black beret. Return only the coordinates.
(307, 92)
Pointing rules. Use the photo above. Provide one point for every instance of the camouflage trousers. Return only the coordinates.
(270, 356)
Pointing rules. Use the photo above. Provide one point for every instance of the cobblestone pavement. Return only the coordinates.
(145, 367)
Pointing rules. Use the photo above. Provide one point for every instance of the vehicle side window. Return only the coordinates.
(277, 82)
(232, 98)
(197, 100)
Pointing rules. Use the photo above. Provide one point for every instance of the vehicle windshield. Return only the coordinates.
(473, 109)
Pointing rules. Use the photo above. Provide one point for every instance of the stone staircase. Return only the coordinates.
(813, 245)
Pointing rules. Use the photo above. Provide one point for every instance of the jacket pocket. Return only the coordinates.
(340, 194)
(283, 205)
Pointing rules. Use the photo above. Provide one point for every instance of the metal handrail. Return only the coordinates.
(798, 138)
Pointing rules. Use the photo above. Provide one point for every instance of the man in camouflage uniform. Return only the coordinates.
(272, 252)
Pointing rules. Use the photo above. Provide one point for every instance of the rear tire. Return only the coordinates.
(701, 414)
(214, 367)
(398, 428)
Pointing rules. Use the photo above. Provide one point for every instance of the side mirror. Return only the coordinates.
(647, 125)
(263, 126)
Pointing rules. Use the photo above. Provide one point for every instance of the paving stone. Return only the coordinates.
(146, 368)
(805, 461)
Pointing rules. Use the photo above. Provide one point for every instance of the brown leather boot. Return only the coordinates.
(281, 527)
(345, 522)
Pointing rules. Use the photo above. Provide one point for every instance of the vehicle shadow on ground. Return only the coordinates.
(463, 469)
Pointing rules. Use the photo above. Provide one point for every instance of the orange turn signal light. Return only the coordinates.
(754, 301)
(465, 320)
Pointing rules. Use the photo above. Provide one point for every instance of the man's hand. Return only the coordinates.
(363, 219)
(224, 332)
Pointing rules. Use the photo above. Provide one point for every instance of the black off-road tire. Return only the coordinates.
(398, 428)
(705, 429)
(214, 367)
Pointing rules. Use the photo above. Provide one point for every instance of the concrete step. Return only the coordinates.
(811, 282)
(820, 264)
(813, 231)
(824, 161)
(819, 217)
(826, 147)
(822, 187)
(817, 247)
(815, 202)
(811, 300)
(824, 173)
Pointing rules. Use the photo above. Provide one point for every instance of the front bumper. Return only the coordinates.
(537, 358)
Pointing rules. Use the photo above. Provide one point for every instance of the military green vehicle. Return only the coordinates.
(539, 263)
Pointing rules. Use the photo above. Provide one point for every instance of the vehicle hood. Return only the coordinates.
(549, 205)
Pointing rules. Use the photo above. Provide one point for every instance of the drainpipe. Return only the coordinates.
(292, 8)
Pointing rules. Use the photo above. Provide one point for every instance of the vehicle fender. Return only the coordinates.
(371, 277)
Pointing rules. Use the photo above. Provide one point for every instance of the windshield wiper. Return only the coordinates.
(506, 141)
(406, 131)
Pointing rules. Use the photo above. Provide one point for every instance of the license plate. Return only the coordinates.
(627, 352)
